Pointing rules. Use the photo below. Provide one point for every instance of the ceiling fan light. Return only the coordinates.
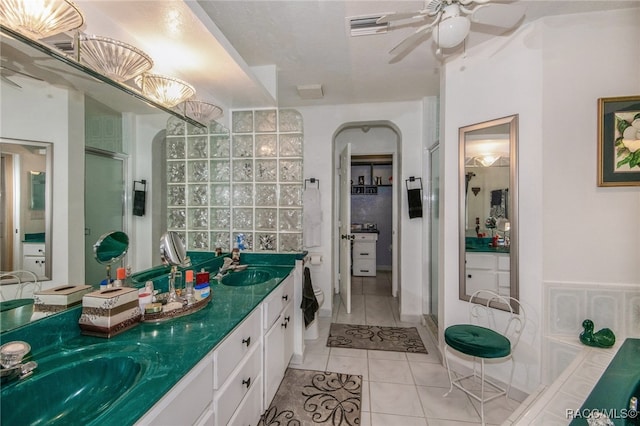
(39, 19)
(451, 31)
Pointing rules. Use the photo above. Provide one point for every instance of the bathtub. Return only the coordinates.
(617, 385)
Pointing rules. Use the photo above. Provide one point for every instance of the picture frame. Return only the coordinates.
(619, 141)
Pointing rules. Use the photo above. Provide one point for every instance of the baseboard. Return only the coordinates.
(411, 318)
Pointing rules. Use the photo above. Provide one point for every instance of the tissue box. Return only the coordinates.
(109, 312)
(58, 298)
(66, 295)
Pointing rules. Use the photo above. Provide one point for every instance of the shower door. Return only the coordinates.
(104, 206)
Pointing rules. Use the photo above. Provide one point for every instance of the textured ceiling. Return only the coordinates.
(216, 45)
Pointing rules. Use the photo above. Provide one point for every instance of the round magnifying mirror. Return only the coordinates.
(172, 249)
(111, 247)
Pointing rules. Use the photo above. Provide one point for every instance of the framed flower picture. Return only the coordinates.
(619, 141)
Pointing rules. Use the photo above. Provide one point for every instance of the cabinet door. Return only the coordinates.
(34, 264)
(274, 365)
(250, 410)
(235, 347)
(288, 335)
(231, 394)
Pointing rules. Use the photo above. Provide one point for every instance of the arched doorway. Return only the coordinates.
(376, 147)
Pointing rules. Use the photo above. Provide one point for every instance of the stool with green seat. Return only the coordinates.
(484, 342)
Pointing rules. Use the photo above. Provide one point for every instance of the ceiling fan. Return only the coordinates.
(450, 21)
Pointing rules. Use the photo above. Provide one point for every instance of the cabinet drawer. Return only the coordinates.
(33, 249)
(364, 250)
(359, 236)
(250, 409)
(481, 261)
(277, 300)
(364, 267)
(235, 347)
(245, 378)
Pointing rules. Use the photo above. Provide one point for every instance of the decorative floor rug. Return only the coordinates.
(307, 397)
(397, 339)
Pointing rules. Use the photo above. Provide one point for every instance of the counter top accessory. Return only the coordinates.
(108, 313)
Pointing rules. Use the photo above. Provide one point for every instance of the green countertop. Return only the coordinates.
(166, 350)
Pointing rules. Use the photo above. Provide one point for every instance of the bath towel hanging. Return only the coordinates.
(312, 215)
(414, 195)
(309, 303)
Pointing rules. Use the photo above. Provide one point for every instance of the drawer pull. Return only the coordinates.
(364, 254)
(287, 319)
(247, 382)
(469, 276)
(285, 297)
(247, 341)
(364, 270)
(284, 324)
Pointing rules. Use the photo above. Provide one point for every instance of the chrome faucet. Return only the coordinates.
(18, 372)
(11, 355)
(225, 268)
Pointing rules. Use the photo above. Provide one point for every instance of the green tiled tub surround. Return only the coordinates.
(152, 356)
(619, 382)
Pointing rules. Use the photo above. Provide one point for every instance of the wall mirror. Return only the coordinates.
(488, 173)
(29, 66)
(25, 207)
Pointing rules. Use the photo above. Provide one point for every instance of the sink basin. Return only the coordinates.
(73, 393)
(247, 277)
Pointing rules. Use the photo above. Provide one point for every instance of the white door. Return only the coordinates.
(345, 227)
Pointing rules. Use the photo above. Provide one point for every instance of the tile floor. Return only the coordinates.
(398, 389)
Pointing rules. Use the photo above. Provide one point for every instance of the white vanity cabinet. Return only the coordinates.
(278, 338)
(236, 381)
(364, 254)
(33, 258)
(238, 370)
(488, 271)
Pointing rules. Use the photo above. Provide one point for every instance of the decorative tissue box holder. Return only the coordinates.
(109, 312)
(57, 299)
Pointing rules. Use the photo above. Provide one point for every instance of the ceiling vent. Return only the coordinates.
(310, 91)
(366, 25)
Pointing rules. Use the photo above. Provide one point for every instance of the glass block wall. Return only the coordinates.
(248, 181)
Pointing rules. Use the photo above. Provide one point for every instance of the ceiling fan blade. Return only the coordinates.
(412, 39)
(498, 15)
(21, 73)
(390, 17)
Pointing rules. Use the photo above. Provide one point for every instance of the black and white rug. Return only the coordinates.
(373, 337)
(307, 397)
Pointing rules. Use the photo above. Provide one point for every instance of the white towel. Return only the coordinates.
(312, 216)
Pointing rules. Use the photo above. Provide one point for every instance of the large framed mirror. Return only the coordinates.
(488, 173)
(25, 207)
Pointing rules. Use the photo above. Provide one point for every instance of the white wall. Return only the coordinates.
(550, 73)
(41, 112)
(320, 125)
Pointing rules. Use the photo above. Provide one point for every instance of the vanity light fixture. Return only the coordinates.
(485, 150)
(201, 111)
(115, 59)
(168, 91)
(38, 19)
